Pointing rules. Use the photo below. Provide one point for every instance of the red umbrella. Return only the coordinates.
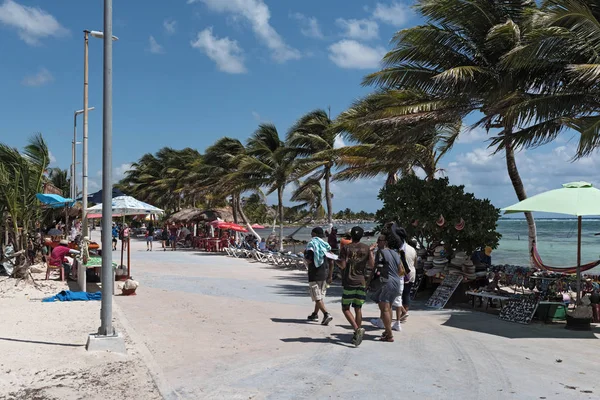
(228, 226)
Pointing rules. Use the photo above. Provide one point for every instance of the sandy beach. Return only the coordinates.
(212, 327)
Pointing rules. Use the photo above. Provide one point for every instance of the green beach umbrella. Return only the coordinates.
(575, 198)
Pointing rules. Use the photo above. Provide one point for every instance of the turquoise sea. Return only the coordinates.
(557, 241)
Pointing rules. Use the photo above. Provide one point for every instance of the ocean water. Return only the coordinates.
(556, 239)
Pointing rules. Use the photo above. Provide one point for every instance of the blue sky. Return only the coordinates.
(188, 72)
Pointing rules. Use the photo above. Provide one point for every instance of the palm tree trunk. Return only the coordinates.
(517, 183)
(238, 203)
(392, 179)
(328, 197)
(280, 211)
(234, 207)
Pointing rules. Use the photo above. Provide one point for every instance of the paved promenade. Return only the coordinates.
(213, 327)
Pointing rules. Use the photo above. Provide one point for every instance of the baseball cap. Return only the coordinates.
(318, 231)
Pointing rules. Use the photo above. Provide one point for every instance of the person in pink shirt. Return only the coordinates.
(57, 257)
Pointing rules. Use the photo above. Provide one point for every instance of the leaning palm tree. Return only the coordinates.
(560, 58)
(312, 140)
(455, 61)
(387, 147)
(59, 179)
(269, 164)
(223, 174)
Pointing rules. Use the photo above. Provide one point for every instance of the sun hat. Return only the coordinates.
(48, 240)
(64, 242)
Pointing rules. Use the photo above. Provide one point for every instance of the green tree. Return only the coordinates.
(419, 205)
(454, 62)
(312, 140)
(59, 178)
(21, 178)
(268, 164)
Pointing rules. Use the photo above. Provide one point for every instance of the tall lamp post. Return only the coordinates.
(107, 338)
(84, 189)
(74, 154)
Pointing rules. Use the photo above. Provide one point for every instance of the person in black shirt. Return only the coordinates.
(317, 274)
(149, 237)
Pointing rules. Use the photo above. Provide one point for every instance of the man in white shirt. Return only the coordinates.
(410, 254)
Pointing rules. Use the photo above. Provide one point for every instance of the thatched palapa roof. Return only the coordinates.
(197, 215)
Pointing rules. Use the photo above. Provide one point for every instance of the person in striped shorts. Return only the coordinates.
(356, 262)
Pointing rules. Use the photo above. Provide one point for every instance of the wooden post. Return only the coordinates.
(129, 257)
(578, 275)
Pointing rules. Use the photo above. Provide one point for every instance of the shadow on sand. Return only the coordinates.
(488, 324)
(42, 342)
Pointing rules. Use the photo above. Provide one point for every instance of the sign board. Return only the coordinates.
(442, 294)
(415, 287)
(519, 310)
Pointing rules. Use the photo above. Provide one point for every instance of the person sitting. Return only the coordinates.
(58, 257)
(262, 246)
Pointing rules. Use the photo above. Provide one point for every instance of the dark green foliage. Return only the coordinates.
(413, 199)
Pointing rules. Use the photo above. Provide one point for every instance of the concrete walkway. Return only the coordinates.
(212, 327)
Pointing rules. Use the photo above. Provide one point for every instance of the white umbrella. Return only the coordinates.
(127, 205)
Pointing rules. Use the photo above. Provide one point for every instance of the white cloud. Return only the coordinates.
(362, 29)
(351, 54)
(42, 77)
(309, 26)
(154, 47)
(31, 23)
(170, 26)
(258, 14)
(339, 142)
(119, 172)
(485, 174)
(224, 52)
(52, 158)
(256, 116)
(396, 14)
(472, 135)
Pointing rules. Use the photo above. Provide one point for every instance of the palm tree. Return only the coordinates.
(59, 179)
(455, 61)
(21, 178)
(560, 58)
(223, 174)
(269, 164)
(384, 146)
(312, 140)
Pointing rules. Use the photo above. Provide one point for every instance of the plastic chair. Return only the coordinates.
(50, 268)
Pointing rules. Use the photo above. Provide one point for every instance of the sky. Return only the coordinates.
(187, 72)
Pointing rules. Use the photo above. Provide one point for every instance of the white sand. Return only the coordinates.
(42, 349)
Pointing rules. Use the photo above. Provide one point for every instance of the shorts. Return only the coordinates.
(114, 239)
(406, 293)
(317, 290)
(389, 293)
(149, 239)
(173, 238)
(354, 296)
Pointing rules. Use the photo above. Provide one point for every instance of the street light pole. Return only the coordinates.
(106, 327)
(84, 168)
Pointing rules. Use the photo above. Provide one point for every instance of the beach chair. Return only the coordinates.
(49, 268)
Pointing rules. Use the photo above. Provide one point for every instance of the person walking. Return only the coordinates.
(317, 274)
(125, 236)
(173, 236)
(164, 237)
(408, 255)
(356, 261)
(149, 237)
(115, 236)
(392, 281)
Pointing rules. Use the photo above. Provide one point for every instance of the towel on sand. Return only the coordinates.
(67, 295)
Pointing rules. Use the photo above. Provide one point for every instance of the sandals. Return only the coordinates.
(386, 338)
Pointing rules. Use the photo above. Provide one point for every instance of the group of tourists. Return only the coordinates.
(385, 270)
